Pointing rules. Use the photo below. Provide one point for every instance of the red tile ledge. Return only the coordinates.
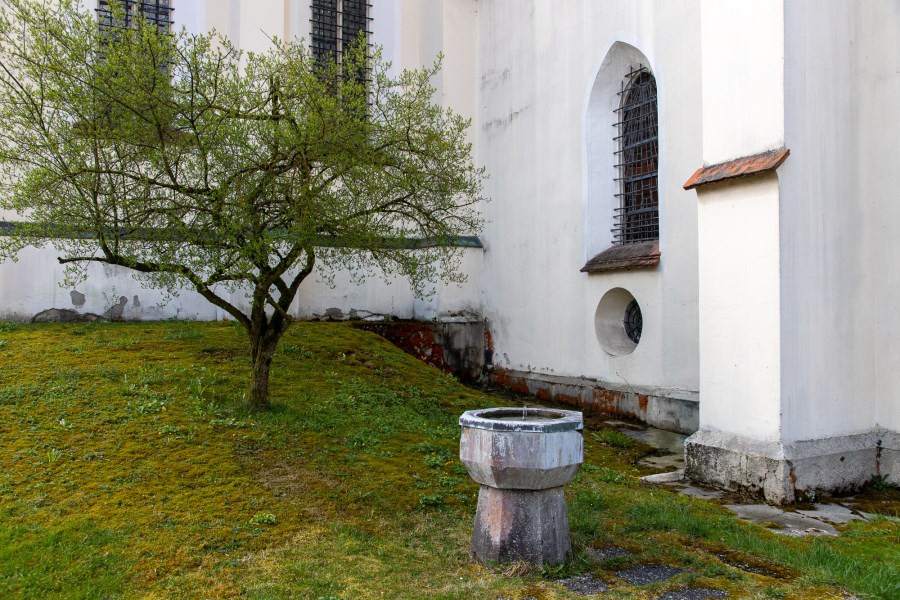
(623, 257)
(739, 167)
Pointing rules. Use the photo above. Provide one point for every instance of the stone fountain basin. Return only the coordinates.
(506, 449)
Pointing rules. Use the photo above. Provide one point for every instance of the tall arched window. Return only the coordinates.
(637, 215)
(158, 12)
(336, 24)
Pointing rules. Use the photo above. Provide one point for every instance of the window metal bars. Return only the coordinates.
(157, 12)
(336, 24)
(633, 322)
(636, 219)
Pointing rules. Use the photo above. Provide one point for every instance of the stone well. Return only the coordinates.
(522, 458)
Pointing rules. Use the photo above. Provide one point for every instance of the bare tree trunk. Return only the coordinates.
(265, 332)
(262, 349)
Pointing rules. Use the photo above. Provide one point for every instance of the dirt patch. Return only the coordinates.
(885, 501)
(754, 565)
(221, 354)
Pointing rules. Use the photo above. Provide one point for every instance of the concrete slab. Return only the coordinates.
(832, 513)
(668, 477)
(702, 492)
(584, 585)
(670, 446)
(658, 438)
(693, 594)
(607, 553)
(790, 523)
(644, 574)
(675, 479)
(623, 424)
(667, 461)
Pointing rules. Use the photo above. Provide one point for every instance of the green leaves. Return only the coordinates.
(196, 164)
(180, 154)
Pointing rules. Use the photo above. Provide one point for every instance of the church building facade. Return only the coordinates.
(693, 220)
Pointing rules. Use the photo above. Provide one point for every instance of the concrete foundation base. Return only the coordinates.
(527, 525)
(889, 456)
(671, 409)
(786, 473)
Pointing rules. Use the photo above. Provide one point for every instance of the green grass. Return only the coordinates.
(131, 469)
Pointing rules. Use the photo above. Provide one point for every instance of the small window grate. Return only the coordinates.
(634, 322)
(636, 218)
(336, 24)
(158, 12)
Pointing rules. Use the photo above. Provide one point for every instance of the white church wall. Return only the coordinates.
(34, 284)
(192, 14)
(409, 39)
(740, 366)
(877, 85)
(828, 283)
(829, 329)
(743, 78)
(739, 223)
(538, 65)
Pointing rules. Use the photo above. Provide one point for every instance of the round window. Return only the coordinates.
(634, 322)
(618, 322)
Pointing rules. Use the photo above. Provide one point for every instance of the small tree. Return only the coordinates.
(198, 165)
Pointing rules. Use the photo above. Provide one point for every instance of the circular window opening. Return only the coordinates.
(618, 322)
(634, 322)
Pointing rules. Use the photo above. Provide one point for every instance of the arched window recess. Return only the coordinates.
(636, 217)
(635, 185)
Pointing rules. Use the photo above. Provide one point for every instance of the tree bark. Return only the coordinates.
(262, 349)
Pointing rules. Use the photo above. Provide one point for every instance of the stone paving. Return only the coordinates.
(670, 456)
(669, 445)
(586, 585)
(781, 521)
(607, 553)
(644, 574)
(694, 594)
(820, 520)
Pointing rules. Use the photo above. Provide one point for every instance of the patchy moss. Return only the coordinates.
(131, 467)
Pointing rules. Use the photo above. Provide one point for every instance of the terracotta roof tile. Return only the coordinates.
(739, 167)
(624, 256)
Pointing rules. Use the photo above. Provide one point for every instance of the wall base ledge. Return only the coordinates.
(796, 471)
(673, 409)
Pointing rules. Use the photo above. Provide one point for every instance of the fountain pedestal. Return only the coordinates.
(522, 463)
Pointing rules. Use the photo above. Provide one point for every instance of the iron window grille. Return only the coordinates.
(633, 321)
(157, 12)
(636, 219)
(336, 24)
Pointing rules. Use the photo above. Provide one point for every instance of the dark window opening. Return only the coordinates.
(636, 218)
(336, 24)
(157, 12)
(634, 322)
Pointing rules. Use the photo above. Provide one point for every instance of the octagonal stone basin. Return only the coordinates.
(509, 448)
(522, 458)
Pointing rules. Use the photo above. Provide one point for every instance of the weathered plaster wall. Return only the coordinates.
(828, 412)
(538, 64)
(743, 78)
(877, 84)
(739, 309)
(828, 315)
(31, 285)
(412, 34)
(739, 223)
